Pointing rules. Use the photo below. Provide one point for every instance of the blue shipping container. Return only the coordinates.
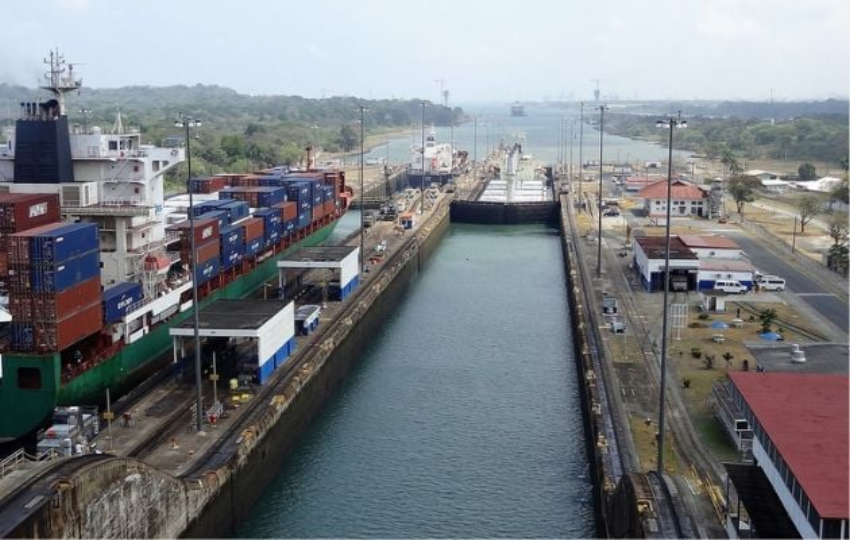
(54, 278)
(271, 196)
(118, 300)
(64, 243)
(288, 227)
(206, 271)
(231, 256)
(236, 210)
(301, 193)
(271, 220)
(254, 246)
(207, 206)
(305, 217)
(218, 215)
(231, 237)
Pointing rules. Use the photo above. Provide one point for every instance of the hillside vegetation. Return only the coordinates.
(240, 133)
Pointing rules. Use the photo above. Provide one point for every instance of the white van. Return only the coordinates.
(772, 283)
(730, 287)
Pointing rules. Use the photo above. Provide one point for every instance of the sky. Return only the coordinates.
(480, 51)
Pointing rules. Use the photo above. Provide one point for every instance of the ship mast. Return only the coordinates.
(59, 80)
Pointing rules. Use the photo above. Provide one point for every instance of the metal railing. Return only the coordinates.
(21, 458)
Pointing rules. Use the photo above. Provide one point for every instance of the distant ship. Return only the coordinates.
(436, 163)
(95, 263)
(517, 109)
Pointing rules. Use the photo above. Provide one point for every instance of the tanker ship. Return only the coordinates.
(96, 265)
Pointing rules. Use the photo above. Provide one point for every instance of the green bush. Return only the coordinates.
(696, 352)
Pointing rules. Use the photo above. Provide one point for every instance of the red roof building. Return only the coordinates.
(800, 442)
(687, 200)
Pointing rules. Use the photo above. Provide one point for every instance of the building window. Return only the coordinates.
(29, 378)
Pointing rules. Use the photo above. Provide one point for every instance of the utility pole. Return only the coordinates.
(580, 158)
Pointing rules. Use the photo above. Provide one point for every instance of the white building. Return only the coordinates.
(649, 262)
(797, 484)
(775, 186)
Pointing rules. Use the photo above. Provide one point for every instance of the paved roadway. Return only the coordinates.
(832, 308)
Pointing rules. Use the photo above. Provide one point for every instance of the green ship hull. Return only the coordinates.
(31, 385)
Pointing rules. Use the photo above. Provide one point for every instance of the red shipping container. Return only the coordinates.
(212, 184)
(22, 211)
(254, 228)
(64, 333)
(330, 207)
(205, 230)
(59, 306)
(230, 179)
(289, 210)
(206, 251)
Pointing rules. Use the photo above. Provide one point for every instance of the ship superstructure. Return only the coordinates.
(433, 162)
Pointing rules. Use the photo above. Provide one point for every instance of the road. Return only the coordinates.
(829, 306)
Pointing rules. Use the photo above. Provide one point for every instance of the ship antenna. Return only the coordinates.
(118, 126)
(57, 81)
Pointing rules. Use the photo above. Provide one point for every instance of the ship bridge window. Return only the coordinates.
(29, 378)
(113, 145)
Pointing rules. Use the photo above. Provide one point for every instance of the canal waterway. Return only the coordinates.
(461, 419)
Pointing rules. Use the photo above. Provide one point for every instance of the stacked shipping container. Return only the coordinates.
(20, 212)
(54, 281)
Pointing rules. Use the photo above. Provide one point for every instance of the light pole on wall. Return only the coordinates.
(602, 109)
(188, 122)
(671, 124)
(362, 110)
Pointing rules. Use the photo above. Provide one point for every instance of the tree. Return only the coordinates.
(808, 206)
(727, 158)
(742, 189)
(840, 193)
(767, 317)
(837, 256)
(348, 137)
(807, 171)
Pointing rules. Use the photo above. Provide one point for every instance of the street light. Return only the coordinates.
(671, 123)
(188, 122)
(580, 148)
(602, 109)
(362, 110)
(422, 178)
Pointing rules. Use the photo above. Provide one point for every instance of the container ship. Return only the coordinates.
(95, 263)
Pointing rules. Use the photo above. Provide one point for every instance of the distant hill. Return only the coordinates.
(239, 132)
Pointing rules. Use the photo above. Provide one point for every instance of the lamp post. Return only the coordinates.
(570, 168)
(422, 178)
(580, 148)
(475, 148)
(671, 123)
(362, 110)
(602, 109)
(188, 122)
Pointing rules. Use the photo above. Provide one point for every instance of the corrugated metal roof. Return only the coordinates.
(653, 246)
(806, 417)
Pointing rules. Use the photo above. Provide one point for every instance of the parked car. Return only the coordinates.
(611, 212)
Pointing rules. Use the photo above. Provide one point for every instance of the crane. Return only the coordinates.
(597, 92)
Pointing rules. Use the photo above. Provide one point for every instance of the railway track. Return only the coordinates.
(26, 498)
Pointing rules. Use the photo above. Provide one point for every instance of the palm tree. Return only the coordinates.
(767, 317)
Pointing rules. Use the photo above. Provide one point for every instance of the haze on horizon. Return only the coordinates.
(481, 50)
